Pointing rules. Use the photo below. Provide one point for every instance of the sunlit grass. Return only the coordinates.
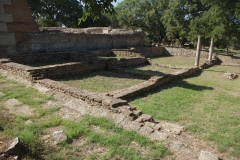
(177, 61)
(207, 105)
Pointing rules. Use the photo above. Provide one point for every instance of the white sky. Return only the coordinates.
(118, 1)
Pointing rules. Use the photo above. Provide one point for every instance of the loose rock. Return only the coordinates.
(58, 137)
(205, 155)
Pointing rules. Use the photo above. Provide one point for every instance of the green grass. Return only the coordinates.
(117, 143)
(102, 81)
(207, 105)
(152, 70)
(177, 61)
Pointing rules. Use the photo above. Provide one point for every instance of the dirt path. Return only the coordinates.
(182, 144)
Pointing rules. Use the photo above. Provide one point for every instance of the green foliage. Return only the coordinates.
(184, 20)
(177, 17)
(220, 21)
(55, 13)
(95, 8)
(140, 14)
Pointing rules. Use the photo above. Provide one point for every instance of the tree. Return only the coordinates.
(221, 21)
(95, 8)
(177, 17)
(140, 14)
(69, 12)
(56, 13)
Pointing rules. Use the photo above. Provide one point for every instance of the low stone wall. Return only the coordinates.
(229, 60)
(65, 69)
(151, 51)
(171, 51)
(51, 71)
(59, 70)
(39, 58)
(127, 62)
(126, 53)
(17, 69)
(91, 97)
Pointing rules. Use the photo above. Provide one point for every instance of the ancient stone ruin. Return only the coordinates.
(64, 52)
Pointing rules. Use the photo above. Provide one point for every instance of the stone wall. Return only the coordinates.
(19, 34)
(51, 71)
(171, 51)
(127, 62)
(58, 41)
(70, 68)
(151, 51)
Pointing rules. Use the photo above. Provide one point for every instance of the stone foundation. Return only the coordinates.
(171, 51)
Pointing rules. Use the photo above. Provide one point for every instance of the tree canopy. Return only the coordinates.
(172, 20)
(53, 13)
(219, 19)
(140, 14)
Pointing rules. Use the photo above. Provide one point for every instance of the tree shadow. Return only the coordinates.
(103, 73)
(177, 83)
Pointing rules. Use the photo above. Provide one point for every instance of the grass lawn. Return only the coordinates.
(102, 81)
(177, 61)
(107, 142)
(153, 70)
(207, 105)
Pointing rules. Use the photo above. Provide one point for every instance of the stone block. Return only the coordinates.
(7, 38)
(204, 155)
(145, 130)
(1, 8)
(135, 125)
(36, 46)
(158, 136)
(6, 18)
(58, 137)
(144, 118)
(3, 27)
(8, 2)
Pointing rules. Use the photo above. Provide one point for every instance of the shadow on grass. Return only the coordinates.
(99, 73)
(149, 72)
(178, 83)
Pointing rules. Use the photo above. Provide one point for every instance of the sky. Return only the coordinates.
(118, 1)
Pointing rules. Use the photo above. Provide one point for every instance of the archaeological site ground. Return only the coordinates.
(100, 93)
